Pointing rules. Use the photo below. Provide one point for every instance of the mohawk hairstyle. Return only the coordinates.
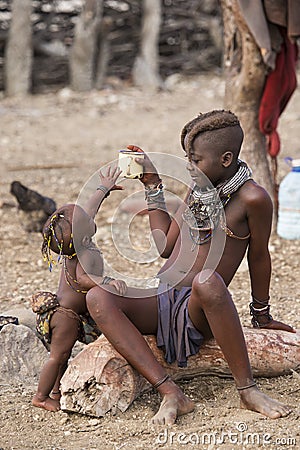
(210, 121)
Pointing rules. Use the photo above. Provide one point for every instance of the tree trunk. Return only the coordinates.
(145, 70)
(103, 52)
(245, 75)
(18, 52)
(84, 50)
(99, 379)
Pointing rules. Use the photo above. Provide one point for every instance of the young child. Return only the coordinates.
(63, 318)
(193, 302)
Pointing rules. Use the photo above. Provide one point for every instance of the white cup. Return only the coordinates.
(130, 168)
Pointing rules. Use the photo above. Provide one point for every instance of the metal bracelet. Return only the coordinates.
(153, 191)
(156, 202)
(260, 309)
(151, 187)
(107, 280)
(260, 302)
(103, 189)
(257, 313)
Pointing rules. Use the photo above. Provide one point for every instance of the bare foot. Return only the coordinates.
(48, 403)
(255, 400)
(173, 405)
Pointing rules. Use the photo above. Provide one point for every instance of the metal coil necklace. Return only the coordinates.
(206, 206)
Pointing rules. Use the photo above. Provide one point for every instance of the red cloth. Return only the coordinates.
(279, 87)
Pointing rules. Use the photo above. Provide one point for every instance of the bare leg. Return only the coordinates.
(64, 335)
(55, 393)
(211, 303)
(122, 321)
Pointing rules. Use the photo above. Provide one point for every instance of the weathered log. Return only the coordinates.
(99, 379)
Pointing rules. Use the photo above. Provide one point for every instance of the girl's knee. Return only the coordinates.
(60, 358)
(94, 297)
(208, 286)
(98, 301)
(206, 280)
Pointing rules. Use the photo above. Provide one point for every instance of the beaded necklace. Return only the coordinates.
(68, 275)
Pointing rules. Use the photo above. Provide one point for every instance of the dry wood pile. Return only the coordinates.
(190, 38)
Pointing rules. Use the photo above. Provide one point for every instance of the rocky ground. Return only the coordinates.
(54, 143)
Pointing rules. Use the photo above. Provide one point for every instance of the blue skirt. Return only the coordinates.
(176, 333)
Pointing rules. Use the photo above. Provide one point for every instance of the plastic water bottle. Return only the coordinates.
(288, 225)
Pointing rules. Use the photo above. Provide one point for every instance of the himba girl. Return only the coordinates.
(192, 302)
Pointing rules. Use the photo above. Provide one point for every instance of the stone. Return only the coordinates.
(22, 355)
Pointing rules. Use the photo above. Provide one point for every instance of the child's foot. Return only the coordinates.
(48, 403)
(255, 400)
(173, 405)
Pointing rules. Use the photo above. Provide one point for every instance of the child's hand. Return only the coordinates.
(150, 175)
(109, 178)
(119, 285)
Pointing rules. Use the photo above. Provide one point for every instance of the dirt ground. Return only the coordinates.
(53, 143)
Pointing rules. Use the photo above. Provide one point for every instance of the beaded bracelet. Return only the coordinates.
(256, 313)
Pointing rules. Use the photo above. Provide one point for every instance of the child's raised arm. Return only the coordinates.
(107, 184)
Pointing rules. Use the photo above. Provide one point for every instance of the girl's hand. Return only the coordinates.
(119, 285)
(109, 178)
(276, 325)
(150, 175)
